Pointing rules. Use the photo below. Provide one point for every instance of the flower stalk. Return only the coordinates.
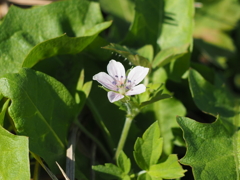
(129, 117)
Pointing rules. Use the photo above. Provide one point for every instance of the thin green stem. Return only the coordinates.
(101, 147)
(124, 135)
(36, 171)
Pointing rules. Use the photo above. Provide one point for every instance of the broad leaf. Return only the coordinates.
(215, 100)
(212, 39)
(212, 147)
(148, 149)
(14, 159)
(42, 109)
(62, 45)
(123, 9)
(147, 23)
(178, 25)
(165, 112)
(23, 29)
(177, 31)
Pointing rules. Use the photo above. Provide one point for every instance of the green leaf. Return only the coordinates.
(148, 149)
(42, 109)
(146, 51)
(147, 23)
(110, 171)
(62, 45)
(159, 96)
(130, 54)
(169, 169)
(212, 39)
(14, 159)
(177, 28)
(22, 29)
(82, 91)
(215, 100)
(146, 176)
(177, 31)
(124, 162)
(165, 112)
(226, 20)
(167, 55)
(211, 148)
(123, 9)
(2, 113)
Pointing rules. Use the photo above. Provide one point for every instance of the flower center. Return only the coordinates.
(123, 85)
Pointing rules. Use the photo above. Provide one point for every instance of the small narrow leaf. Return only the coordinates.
(124, 162)
(109, 171)
(169, 169)
(167, 55)
(4, 109)
(159, 96)
(130, 54)
(148, 149)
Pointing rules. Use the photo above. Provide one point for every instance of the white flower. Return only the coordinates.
(117, 82)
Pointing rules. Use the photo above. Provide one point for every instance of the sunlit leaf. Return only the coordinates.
(14, 159)
(62, 45)
(41, 109)
(22, 29)
(148, 149)
(212, 147)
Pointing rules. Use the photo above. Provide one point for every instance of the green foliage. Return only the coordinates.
(212, 147)
(29, 92)
(112, 171)
(147, 151)
(14, 157)
(62, 45)
(129, 54)
(24, 29)
(49, 55)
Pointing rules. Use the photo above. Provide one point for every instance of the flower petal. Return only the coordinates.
(112, 96)
(106, 80)
(116, 70)
(137, 74)
(136, 90)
